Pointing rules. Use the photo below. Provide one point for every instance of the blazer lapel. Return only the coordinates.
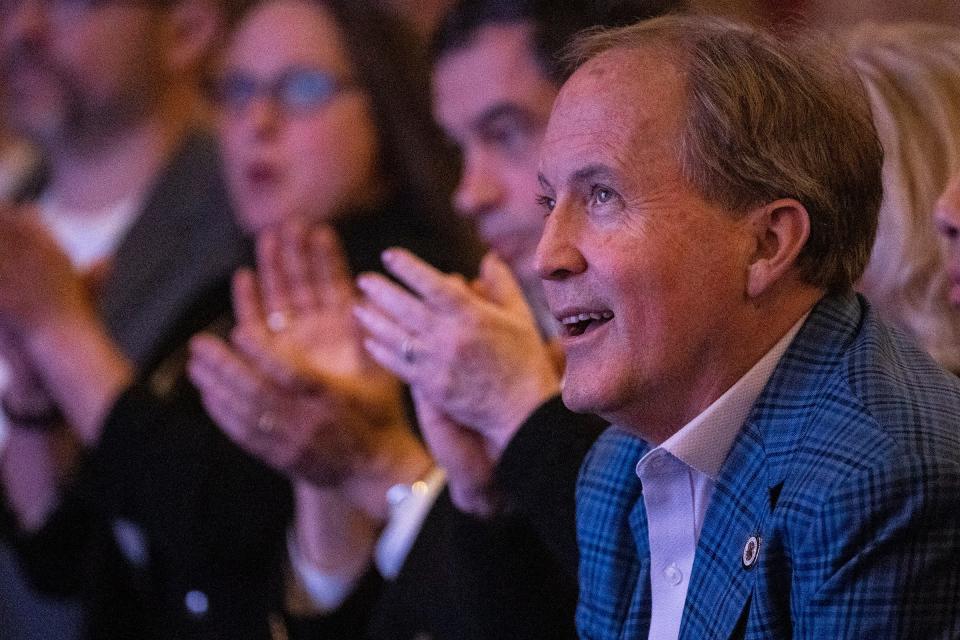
(722, 579)
(637, 621)
(183, 243)
(612, 538)
(747, 489)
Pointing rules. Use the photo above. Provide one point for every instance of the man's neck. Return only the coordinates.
(95, 177)
(680, 401)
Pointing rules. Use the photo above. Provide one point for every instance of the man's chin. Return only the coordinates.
(578, 398)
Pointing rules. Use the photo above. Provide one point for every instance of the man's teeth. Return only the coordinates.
(583, 317)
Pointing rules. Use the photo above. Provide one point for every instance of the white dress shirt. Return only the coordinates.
(678, 478)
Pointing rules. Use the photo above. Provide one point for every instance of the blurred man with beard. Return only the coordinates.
(139, 222)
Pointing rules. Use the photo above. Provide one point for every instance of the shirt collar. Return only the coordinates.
(704, 442)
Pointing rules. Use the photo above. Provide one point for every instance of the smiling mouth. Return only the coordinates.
(579, 323)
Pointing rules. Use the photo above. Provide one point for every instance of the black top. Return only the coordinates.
(167, 530)
(511, 577)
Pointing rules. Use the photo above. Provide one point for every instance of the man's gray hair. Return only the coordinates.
(769, 118)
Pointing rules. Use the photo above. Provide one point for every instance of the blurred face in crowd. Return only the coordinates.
(78, 71)
(647, 278)
(493, 100)
(947, 218)
(297, 132)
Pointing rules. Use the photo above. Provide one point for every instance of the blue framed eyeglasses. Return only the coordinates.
(296, 90)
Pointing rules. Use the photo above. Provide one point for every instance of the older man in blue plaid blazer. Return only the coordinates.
(783, 465)
(847, 472)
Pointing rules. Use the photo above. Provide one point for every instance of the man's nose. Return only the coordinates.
(558, 255)
(480, 189)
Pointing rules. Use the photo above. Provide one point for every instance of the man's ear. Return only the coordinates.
(781, 228)
(193, 29)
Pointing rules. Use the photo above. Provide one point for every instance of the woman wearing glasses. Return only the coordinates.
(323, 119)
(324, 115)
(293, 385)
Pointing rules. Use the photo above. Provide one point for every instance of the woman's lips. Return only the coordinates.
(261, 176)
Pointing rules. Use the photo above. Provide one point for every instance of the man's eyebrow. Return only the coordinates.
(588, 173)
(500, 110)
(592, 172)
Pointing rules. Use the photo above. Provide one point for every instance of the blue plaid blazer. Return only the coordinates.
(848, 471)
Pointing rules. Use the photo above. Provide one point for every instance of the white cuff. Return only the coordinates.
(407, 513)
(326, 591)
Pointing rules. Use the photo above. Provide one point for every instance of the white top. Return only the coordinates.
(678, 478)
(89, 236)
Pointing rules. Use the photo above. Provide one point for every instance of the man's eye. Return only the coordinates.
(507, 135)
(602, 195)
(546, 202)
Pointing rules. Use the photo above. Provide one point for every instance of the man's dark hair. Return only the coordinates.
(555, 23)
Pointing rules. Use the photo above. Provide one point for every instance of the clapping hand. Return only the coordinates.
(472, 354)
(294, 386)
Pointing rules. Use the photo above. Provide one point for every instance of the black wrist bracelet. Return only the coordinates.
(43, 420)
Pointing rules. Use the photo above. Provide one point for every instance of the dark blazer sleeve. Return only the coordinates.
(470, 579)
(348, 622)
(514, 576)
(537, 475)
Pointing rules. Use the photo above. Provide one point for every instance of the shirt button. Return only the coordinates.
(132, 542)
(673, 574)
(655, 464)
(196, 602)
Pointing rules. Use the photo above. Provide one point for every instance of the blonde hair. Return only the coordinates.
(912, 75)
(767, 119)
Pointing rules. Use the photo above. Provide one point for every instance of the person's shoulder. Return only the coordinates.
(194, 172)
(853, 396)
(881, 406)
(190, 200)
(906, 397)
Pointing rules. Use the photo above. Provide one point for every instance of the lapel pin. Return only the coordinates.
(751, 551)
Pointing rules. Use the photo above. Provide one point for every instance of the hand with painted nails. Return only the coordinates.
(471, 352)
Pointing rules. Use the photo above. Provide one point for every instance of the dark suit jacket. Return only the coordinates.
(512, 577)
(846, 474)
(186, 532)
